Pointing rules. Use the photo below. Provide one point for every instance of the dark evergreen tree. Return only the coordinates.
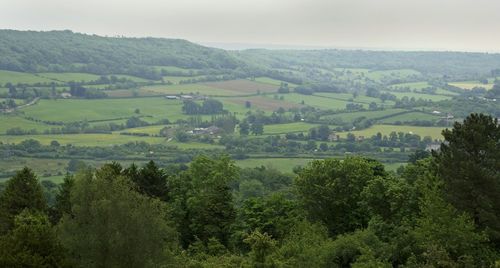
(23, 191)
(468, 162)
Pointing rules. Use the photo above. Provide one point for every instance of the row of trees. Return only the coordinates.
(441, 211)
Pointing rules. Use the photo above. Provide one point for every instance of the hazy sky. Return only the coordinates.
(471, 25)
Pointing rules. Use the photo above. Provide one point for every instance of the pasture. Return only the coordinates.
(471, 84)
(243, 86)
(407, 117)
(22, 78)
(282, 164)
(71, 110)
(271, 81)
(104, 140)
(417, 96)
(70, 77)
(191, 89)
(264, 103)
(8, 121)
(316, 101)
(433, 132)
(288, 128)
(348, 117)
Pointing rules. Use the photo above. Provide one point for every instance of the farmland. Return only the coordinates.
(127, 111)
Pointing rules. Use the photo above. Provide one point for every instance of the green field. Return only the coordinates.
(417, 96)
(104, 140)
(410, 117)
(12, 121)
(23, 78)
(348, 117)
(68, 77)
(471, 84)
(178, 90)
(70, 110)
(392, 74)
(151, 130)
(361, 99)
(288, 128)
(271, 81)
(281, 164)
(433, 132)
(316, 101)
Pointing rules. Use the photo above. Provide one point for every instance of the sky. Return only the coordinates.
(458, 25)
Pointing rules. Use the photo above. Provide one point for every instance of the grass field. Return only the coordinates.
(151, 130)
(391, 74)
(12, 121)
(316, 101)
(433, 132)
(68, 77)
(361, 99)
(271, 81)
(181, 89)
(281, 164)
(410, 117)
(104, 140)
(71, 110)
(24, 78)
(243, 86)
(348, 117)
(288, 128)
(471, 85)
(413, 85)
(264, 103)
(420, 96)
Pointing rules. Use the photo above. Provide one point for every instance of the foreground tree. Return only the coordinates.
(331, 192)
(203, 201)
(23, 191)
(468, 162)
(31, 243)
(150, 180)
(112, 225)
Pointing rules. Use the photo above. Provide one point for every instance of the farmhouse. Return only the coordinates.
(433, 147)
(212, 130)
(333, 137)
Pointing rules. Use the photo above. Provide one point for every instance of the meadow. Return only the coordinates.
(347, 117)
(71, 110)
(412, 116)
(288, 128)
(471, 84)
(315, 101)
(433, 132)
(8, 121)
(25, 78)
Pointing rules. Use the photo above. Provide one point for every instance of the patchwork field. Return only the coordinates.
(410, 117)
(417, 96)
(68, 77)
(433, 132)
(471, 84)
(288, 128)
(12, 121)
(346, 117)
(243, 86)
(316, 101)
(265, 103)
(24, 78)
(70, 110)
(192, 89)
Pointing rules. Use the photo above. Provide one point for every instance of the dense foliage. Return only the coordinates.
(439, 211)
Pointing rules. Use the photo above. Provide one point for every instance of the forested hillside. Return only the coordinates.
(65, 51)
